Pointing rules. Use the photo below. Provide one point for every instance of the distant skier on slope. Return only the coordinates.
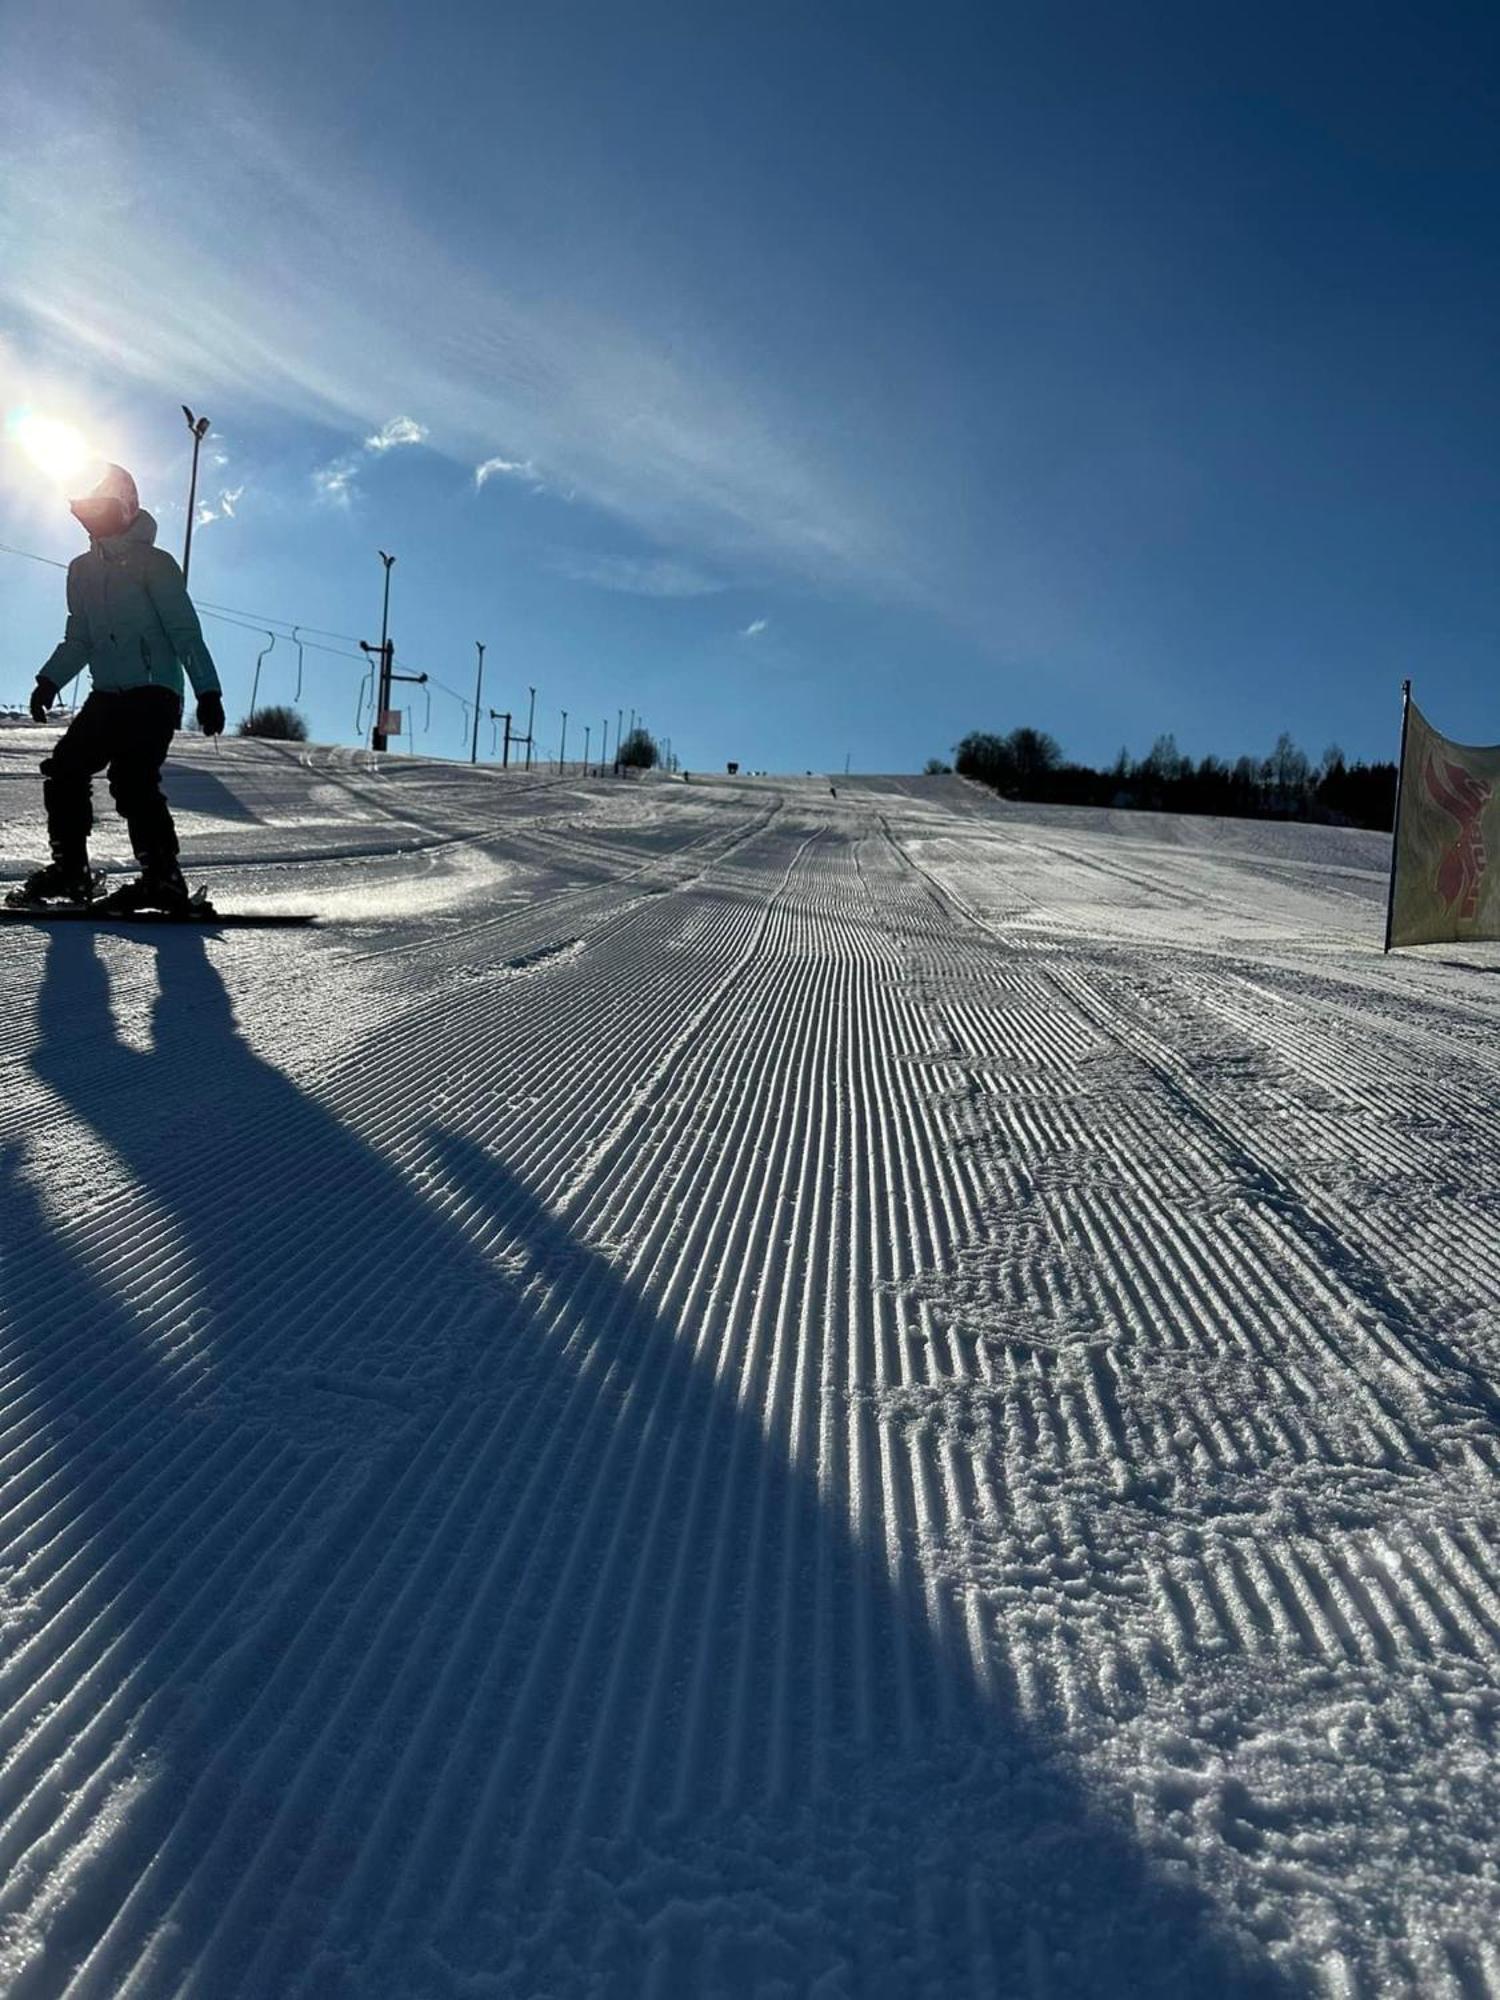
(132, 622)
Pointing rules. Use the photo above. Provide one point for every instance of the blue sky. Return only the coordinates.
(844, 377)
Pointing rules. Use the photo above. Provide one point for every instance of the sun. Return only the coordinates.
(56, 448)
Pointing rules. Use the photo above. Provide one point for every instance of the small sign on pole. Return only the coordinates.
(390, 722)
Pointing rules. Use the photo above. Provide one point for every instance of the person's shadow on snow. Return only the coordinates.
(381, 1757)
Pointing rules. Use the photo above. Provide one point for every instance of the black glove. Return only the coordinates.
(211, 714)
(42, 697)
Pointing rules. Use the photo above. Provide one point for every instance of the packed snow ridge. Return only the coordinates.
(719, 1389)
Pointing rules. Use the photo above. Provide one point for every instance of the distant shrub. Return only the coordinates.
(936, 768)
(283, 724)
(639, 752)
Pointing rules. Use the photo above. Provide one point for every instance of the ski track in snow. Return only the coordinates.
(720, 1390)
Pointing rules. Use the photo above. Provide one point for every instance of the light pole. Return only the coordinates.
(619, 737)
(603, 745)
(588, 730)
(478, 689)
(198, 426)
(562, 755)
(378, 737)
(530, 725)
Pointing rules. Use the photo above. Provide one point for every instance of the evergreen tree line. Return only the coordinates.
(1029, 764)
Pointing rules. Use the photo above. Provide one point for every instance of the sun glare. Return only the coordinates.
(54, 447)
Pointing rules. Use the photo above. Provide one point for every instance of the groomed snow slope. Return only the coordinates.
(726, 1390)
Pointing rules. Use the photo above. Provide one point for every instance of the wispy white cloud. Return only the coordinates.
(754, 629)
(97, 205)
(400, 430)
(335, 483)
(505, 468)
(638, 576)
(221, 509)
(338, 481)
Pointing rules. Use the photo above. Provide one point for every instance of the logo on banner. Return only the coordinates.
(1463, 797)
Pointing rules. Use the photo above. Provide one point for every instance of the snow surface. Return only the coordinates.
(717, 1389)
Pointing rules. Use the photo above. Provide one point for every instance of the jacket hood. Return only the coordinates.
(114, 499)
(140, 533)
(116, 484)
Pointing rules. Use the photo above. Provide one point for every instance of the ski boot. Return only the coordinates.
(61, 884)
(158, 887)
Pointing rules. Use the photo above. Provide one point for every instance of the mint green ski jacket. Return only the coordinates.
(130, 619)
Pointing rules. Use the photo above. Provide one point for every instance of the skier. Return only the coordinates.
(132, 622)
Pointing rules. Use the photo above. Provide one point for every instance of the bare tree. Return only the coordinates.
(1034, 755)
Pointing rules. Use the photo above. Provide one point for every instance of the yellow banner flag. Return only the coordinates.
(1443, 888)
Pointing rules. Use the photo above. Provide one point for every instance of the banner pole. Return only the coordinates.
(1390, 898)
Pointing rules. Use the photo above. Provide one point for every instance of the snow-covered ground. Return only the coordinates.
(719, 1389)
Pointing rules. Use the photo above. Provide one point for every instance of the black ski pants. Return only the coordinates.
(129, 730)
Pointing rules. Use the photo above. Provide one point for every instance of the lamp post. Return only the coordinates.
(562, 755)
(603, 745)
(619, 737)
(530, 725)
(378, 737)
(478, 689)
(588, 731)
(198, 427)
